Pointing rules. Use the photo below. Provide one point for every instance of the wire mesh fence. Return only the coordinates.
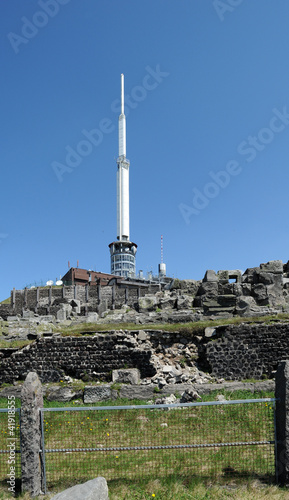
(226, 438)
(10, 458)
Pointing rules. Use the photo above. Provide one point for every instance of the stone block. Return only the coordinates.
(61, 315)
(126, 376)
(167, 302)
(61, 394)
(28, 314)
(95, 393)
(210, 331)
(95, 489)
(92, 317)
(209, 288)
(210, 276)
(273, 266)
(184, 302)
(47, 319)
(260, 294)
(142, 335)
(147, 303)
(76, 307)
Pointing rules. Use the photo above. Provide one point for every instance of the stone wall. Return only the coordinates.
(231, 352)
(259, 291)
(48, 300)
(87, 358)
(247, 351)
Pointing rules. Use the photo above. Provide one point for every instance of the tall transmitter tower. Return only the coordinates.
(122, 251)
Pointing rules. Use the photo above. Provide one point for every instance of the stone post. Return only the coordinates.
(37, 298)
(25, 297)
(98, 293)
(31, 401)
(282, 423)
(13, 298)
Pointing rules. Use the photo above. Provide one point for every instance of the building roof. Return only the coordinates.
(78, 276)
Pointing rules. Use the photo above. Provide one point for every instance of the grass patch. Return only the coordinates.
(183, 474)
(6, 301)
(191, 328)
(14, 343)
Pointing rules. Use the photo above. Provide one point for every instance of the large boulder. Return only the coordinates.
(95, 393)
(126, 376)
(95, 489)
(147, 303)
(273, 266)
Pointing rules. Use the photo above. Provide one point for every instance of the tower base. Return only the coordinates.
(122, 258)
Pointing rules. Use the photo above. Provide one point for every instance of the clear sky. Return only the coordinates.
(207, 85)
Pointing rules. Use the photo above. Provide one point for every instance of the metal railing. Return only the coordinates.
(218, 438)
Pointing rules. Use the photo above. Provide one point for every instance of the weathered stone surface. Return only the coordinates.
(61, 315)
(96, 393)
(183, 316)
(147, 303)
(189, 395)
(167, 302)
(31, 401)
(126, 376)
(260, 294)
(246, 306)
(61, 394)
(209, 288)
(210, 331)
(273, 266)
(95, 489)
(210, 276)
(92, 317)
(184, 302)
(166, 400)
(225, 276)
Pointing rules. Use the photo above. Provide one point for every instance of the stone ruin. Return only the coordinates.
(259, 291)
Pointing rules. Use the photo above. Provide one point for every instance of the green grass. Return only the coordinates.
(6, 301)
(179, 474)
(132, 469)
(14, 343)
(191, 328)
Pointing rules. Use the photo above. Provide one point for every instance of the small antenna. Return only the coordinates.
(77, 264)
(68, 265)
(162, 250)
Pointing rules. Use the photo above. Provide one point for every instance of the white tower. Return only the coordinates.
(122, 251)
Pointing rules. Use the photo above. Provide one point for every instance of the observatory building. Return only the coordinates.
(122, 251)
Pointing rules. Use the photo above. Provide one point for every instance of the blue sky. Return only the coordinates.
(207, 85)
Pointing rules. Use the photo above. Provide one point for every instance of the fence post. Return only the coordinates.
(282, 423)
(31, 401)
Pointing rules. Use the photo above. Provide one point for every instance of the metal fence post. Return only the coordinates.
(31, 401)
(282, 423)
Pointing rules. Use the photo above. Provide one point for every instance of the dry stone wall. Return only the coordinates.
(230, 352)
(247, 351)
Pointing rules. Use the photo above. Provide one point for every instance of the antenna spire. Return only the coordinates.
(122, 93)
(122, 122)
